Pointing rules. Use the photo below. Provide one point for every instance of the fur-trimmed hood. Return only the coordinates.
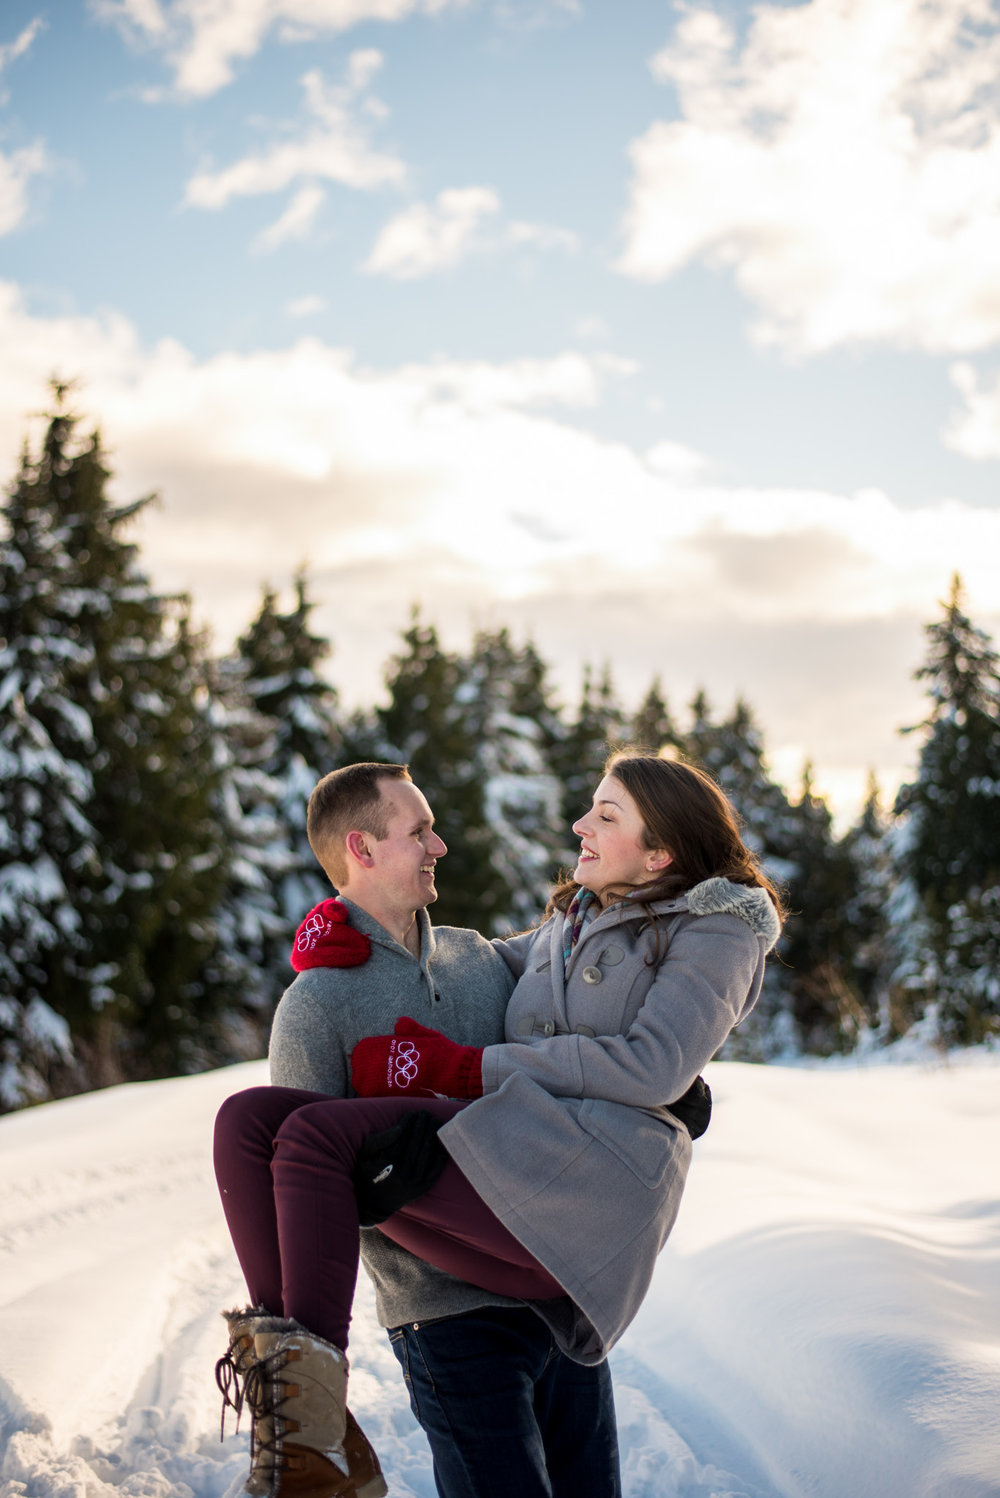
(751, 903)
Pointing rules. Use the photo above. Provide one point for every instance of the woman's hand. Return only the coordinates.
(416, 1061)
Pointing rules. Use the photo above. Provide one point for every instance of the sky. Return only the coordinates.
(667, 335)
(824, 1319)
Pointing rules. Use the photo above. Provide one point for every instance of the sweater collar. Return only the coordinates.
(362, 921)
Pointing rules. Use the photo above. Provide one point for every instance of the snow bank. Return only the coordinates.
(825, 1320)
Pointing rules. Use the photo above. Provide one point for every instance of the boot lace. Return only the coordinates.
(227, 1378)
(264, 1393)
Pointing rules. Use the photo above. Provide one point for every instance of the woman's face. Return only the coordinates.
(612, 851)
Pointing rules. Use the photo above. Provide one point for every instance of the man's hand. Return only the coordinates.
(415, 1061)
(326, 940)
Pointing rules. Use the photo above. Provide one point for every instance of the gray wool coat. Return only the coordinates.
(572, 1145)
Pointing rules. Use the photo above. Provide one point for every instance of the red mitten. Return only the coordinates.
(326, 940)
(416, 1061)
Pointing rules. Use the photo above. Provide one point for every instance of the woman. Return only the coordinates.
(565, 1177)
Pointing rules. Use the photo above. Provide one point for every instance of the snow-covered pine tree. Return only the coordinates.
(140, 888)
(653, 727)
(46, 839)
(428, 725)
(249, 962)
(514, 728)
(817, 944)
(866, 846)
(157, 803)
(282, 657)
(948, 843)
(733, 753)
(598, 728)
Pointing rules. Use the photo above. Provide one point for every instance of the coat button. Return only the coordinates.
(592, 975)
(611, 956)
(548, 1028)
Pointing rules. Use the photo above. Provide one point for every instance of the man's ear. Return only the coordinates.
(359, 849)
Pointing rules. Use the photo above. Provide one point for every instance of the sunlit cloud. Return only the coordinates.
(424, 238)
(296, 222)
(427, 238)
(16, 171)
(334, 146)
(203, 40)
(10, 51)
(842, 160)
(974, 431)
(470, 488)
(310, 305)
(18, 167)
(542, 236)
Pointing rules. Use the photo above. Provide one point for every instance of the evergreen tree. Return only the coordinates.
(652, 727)
(45, 788)
(429, 723)
(514, 728)
(281, 658)
(249, 963)
(817, 944)
(867, 849)
(948, 848)
(126, 981)
(598, 729)
(732, 751)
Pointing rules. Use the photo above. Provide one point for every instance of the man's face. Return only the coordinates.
(405, 858)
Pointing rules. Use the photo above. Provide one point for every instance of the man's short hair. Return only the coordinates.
(346, 800)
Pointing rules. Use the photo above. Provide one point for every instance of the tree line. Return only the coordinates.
(153, 859)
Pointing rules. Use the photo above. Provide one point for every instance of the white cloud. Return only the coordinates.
(975, 430)
(16, 172)
(843, 160)
(203, 39)
(591, 327)
(465, 487)
(335, 147)
(307, 306)
(296, 222)
(9, 51)
(424, 239)
(18, 167)
(543, 236)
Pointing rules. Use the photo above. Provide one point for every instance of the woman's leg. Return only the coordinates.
(285, 1162)
(245, 1130)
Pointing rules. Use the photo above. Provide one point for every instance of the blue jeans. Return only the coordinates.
(505, 1412)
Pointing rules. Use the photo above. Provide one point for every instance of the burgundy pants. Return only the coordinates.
(284, 1160)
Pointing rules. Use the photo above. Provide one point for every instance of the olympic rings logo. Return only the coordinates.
(406, 1063)
(312, 930)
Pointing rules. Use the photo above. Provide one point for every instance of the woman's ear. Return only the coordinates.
(658, 860)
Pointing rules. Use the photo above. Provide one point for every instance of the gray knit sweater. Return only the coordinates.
(459, 985)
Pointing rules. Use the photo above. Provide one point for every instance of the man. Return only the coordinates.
(505, 1412)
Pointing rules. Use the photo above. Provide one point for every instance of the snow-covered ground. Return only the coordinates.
(824, 1321)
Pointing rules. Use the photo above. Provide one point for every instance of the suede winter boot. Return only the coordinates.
(231, 1373)
(305, 1443)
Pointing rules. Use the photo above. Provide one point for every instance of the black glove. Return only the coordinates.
(397, 1165)
(694, 1109)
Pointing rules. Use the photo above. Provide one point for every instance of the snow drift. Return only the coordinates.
(825, 1320)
